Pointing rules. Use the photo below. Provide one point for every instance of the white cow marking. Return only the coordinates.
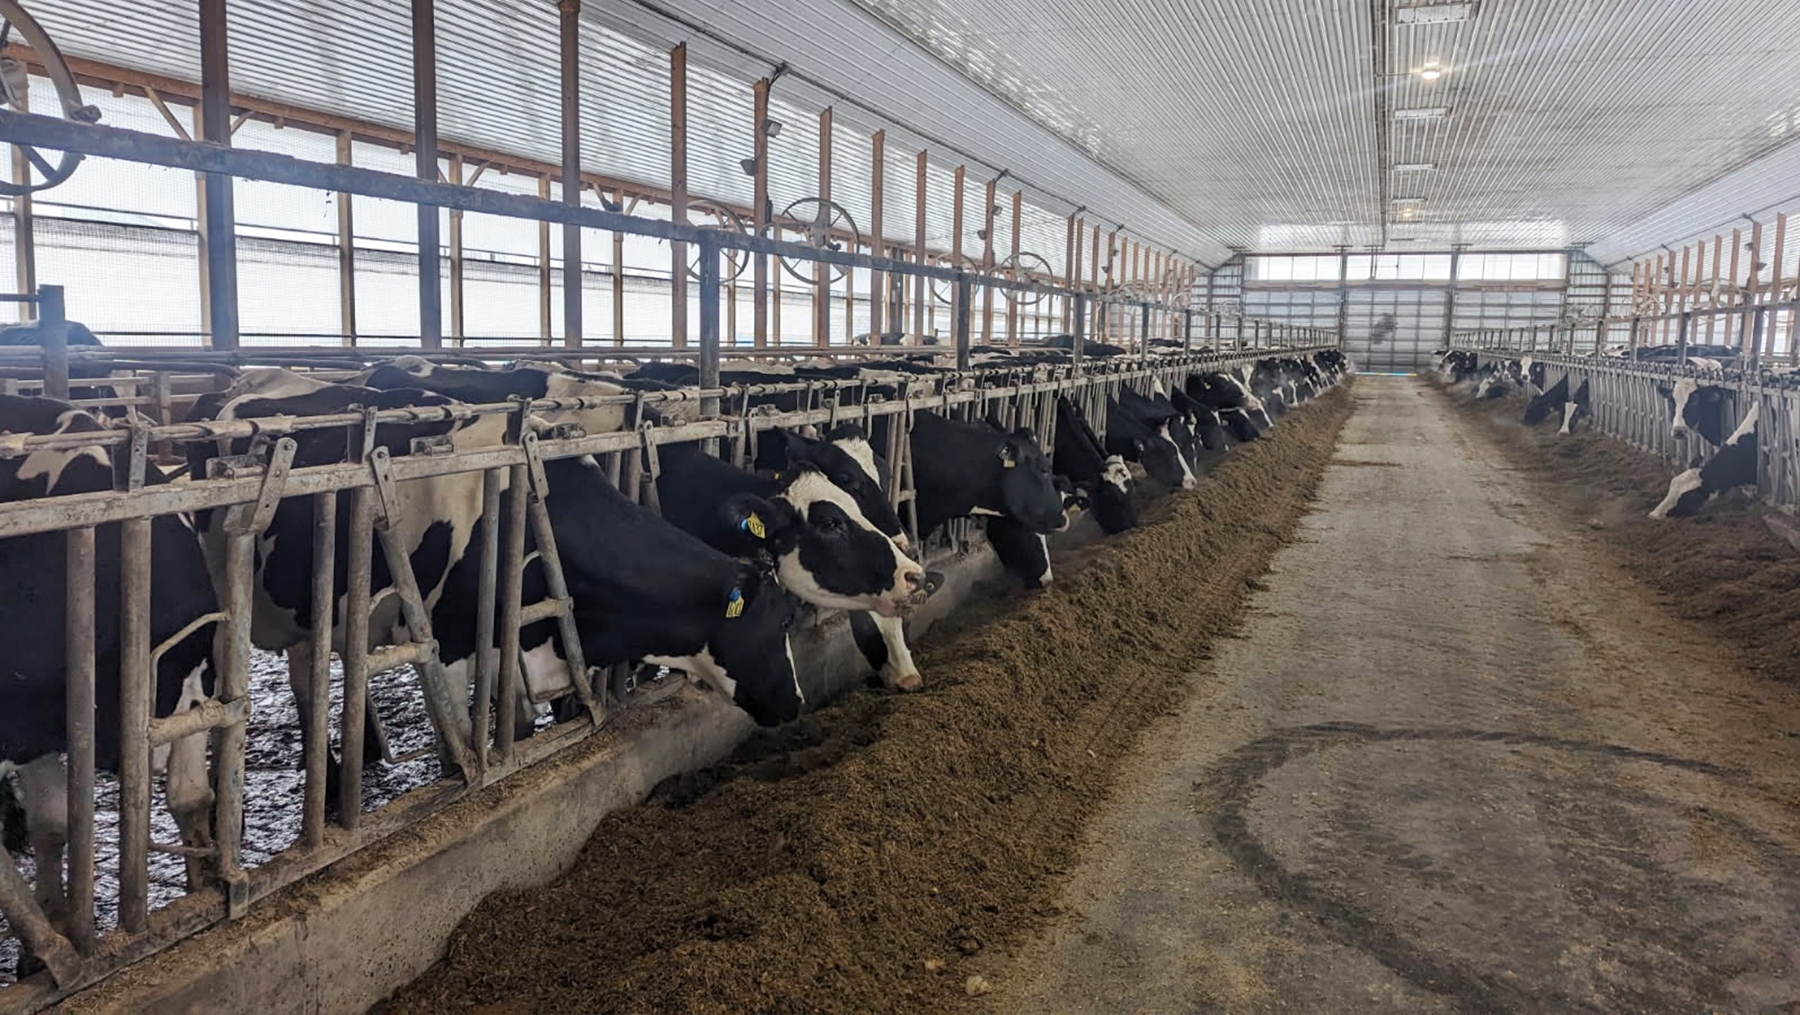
(702, 664)
(1684, 483)
(1116, 472)
(809, 488)
(1569, 410)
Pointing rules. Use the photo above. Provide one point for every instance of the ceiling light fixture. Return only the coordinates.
(1435, 12)
(1422, 113)
(1414, 167)
(1431, 71)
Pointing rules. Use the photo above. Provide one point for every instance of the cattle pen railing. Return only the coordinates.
(1627, 402)
(248, 490)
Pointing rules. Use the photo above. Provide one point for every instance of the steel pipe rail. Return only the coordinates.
(219, 160)
(1626, 402)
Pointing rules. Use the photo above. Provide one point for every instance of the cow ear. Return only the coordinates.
(763, 521)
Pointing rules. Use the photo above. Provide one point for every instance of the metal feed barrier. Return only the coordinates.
(248, 491)
(1626, 403)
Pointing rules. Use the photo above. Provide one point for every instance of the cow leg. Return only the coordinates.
(187, 785)
(43, 793)
(882, 641)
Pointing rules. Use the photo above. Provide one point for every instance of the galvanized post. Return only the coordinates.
(512, 568)
(53, 333)
(135, 702)
(425, 161)
(708, 249)
(220, 214)
(965, 295)
(1144, 334)
(1757, 324)
(233, 684)
(78, 649)
(1080, 338)
(569, 19)
(1681, 337)
(317, 729)
(357, 595)
(486, 656)
(1187, 331)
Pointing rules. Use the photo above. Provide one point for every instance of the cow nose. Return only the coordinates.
(903, 543)
(915, 579)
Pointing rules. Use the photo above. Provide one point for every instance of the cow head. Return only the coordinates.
(752, 653)
(1027, 488)
(1697, 407)
(846, 458)
(1111, 498)
(833, 556)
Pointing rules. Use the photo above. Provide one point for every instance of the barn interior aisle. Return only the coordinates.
(1456, 762)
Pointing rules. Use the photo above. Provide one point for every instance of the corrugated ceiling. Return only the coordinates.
(498, 87)
(1265, 123)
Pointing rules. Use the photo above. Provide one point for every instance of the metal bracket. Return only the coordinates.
(274, 481)
(387, 495)
(140, 455)
(534, 466)
(439, 445)
(256, 516)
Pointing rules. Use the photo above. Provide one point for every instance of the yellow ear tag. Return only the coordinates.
(734, 607)
(1007, 463)
(754, 526)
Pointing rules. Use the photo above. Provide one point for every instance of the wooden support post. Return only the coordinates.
(456, 259)
(1719, 285)
(877, 280)
(821, 296)
(569, 18)
(958, 314)
(759, 212)
(1071, 269)
(1737, 282)
(921, 285)
(1752, 287)
(425, 166)
(987, 263)
(219, 225)
(618, 275)
(544, 267)
(24, 230)
(1775, 255)
(678, 196)
(1012, 302)
(346, 249)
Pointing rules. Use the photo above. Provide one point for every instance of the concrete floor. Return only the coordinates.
(1455, 762)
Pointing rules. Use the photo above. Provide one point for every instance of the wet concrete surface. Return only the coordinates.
(1454, 762)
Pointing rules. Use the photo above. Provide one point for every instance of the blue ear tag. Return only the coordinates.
(734, 605)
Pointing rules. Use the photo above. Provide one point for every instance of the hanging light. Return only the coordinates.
(1431, 71)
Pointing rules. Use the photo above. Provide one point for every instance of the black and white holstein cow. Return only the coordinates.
(825, 550)
(963, 470)
(665, 593)
(1557, 399)
(32, 599)
(1141, 430)
(1228, 393)
(1104, 478)
(1699, 408)
(629, 611)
